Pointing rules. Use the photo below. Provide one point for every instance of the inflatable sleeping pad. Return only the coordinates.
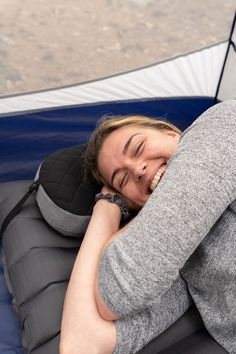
(38, 261)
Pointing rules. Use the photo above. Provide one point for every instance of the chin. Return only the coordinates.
(138, 204)
(145, 199)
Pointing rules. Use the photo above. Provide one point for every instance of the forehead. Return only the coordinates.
(126, 131)
(119, 137)
(129, 129)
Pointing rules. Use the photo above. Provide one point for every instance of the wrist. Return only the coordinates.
(109, 215)
(115, 199)
(103, 203)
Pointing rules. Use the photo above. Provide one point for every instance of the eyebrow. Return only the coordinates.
(124, 151)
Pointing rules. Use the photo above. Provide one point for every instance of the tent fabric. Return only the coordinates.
(227, 88)
(28, 138)
(191, 75)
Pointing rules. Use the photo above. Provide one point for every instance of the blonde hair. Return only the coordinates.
(107, 125)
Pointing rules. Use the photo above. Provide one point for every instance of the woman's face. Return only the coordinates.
(133, 159)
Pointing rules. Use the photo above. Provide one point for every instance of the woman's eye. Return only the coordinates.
(123, 181)
(138, 150)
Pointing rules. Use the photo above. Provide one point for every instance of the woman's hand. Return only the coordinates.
(106, 189)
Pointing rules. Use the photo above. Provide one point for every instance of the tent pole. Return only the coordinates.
(230, 42)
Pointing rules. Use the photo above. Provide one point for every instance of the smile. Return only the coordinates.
(157, 177)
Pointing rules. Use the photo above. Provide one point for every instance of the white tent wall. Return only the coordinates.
(227, 89)
(195, 74)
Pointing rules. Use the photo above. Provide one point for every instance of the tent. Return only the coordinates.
(33, 125)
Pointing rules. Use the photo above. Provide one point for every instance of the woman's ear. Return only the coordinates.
(172, 133)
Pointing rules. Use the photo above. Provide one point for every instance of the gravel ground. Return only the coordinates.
(50, 43)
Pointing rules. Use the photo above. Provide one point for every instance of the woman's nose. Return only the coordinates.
(140, 170)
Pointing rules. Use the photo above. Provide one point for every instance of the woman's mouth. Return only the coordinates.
(157, 177)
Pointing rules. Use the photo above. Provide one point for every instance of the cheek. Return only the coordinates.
(135, 196)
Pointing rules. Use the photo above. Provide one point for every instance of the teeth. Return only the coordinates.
(157, 178)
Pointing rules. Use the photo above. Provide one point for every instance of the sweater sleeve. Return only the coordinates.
(135, 331)
(200, 182)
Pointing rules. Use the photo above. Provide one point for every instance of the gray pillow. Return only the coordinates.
(66, 193)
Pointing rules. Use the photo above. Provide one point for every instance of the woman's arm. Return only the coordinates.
(83, 329)
(135, 331)
(104, 311)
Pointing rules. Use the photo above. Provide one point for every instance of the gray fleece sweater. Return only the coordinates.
(187, 227)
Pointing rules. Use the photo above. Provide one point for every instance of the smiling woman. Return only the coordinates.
(128, 154)
(142, 154)
(143, 148)
(129, 285)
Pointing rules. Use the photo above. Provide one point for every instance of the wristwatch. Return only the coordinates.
(118, 200)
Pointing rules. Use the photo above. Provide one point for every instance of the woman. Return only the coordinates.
(138, 272)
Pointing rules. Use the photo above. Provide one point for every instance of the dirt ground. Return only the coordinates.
(50, 43)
